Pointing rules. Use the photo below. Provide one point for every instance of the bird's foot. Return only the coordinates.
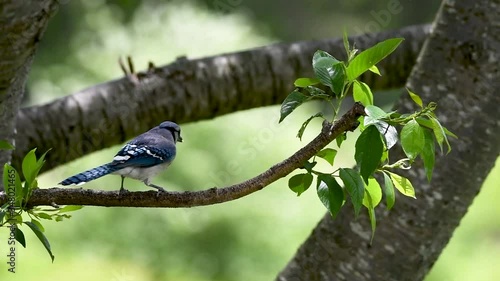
(123, 191)
(160, 189)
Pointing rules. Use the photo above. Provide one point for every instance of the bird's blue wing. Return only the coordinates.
(137, 155)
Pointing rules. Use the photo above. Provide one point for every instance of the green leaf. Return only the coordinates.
(416, 98)
(425, 122)
(44, 216)
(412, 139)
(41, 236)
(304, 82)
(5, 145)
(362, 93)
(323, 59)
(18, 218)
(300, 183)
(402, 184)
(375, 70)
(323, 75)
(385, 155)
(329, 71)
(369, 149)
(361, 122)
(291, 102)
(337, 75)
(429, 124)
(373, 196)
(29, 166)
(373, 188)
(322, 64)
(39, 164)
(375, 112)
(19, 189)
(38, 224)
(448, 133)
(316, 92)
(330, 193)
(428, 154)
(2, 215)
(340, 139)
(19, 235)
(354, 186)
(390, 197)
(12, 183)
(328, 154)
(370, 57)
(70, 208)
(41, 160)
(371, 213)
(440, 135)
(304, 125)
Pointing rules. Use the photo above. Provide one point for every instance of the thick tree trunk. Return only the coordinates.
(22, 24)
(187, 91)
(459, 69)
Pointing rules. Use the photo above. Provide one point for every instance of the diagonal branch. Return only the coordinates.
(63, 196)
(190, 90)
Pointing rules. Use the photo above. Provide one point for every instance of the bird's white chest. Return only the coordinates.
(141, 174)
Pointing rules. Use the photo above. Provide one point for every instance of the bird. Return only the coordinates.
(141, 158)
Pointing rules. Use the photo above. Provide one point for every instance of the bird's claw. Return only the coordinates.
(123, 191)
(159, 188)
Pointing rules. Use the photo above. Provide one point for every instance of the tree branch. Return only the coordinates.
(67, 196)
(190, 90)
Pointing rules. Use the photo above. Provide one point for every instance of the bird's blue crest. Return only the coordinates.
(169, 125)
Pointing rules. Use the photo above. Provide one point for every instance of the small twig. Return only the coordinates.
(122, 66)
(130, 65)
(67, 196)
(151, 67)
(130, 71)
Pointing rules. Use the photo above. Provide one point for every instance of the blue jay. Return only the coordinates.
(141, 158)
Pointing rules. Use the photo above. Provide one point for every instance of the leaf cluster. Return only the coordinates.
(19, 193)
(418, 133)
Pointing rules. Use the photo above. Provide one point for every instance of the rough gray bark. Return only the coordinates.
(187, 91)
(22, 24)
(459, 69)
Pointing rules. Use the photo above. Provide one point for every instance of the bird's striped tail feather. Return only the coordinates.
(89, 175)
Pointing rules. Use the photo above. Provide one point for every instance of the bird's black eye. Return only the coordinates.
(175, 132)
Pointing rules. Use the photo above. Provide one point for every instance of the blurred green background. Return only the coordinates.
(247, 239)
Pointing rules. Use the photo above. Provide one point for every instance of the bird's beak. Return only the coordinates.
(180, 139)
